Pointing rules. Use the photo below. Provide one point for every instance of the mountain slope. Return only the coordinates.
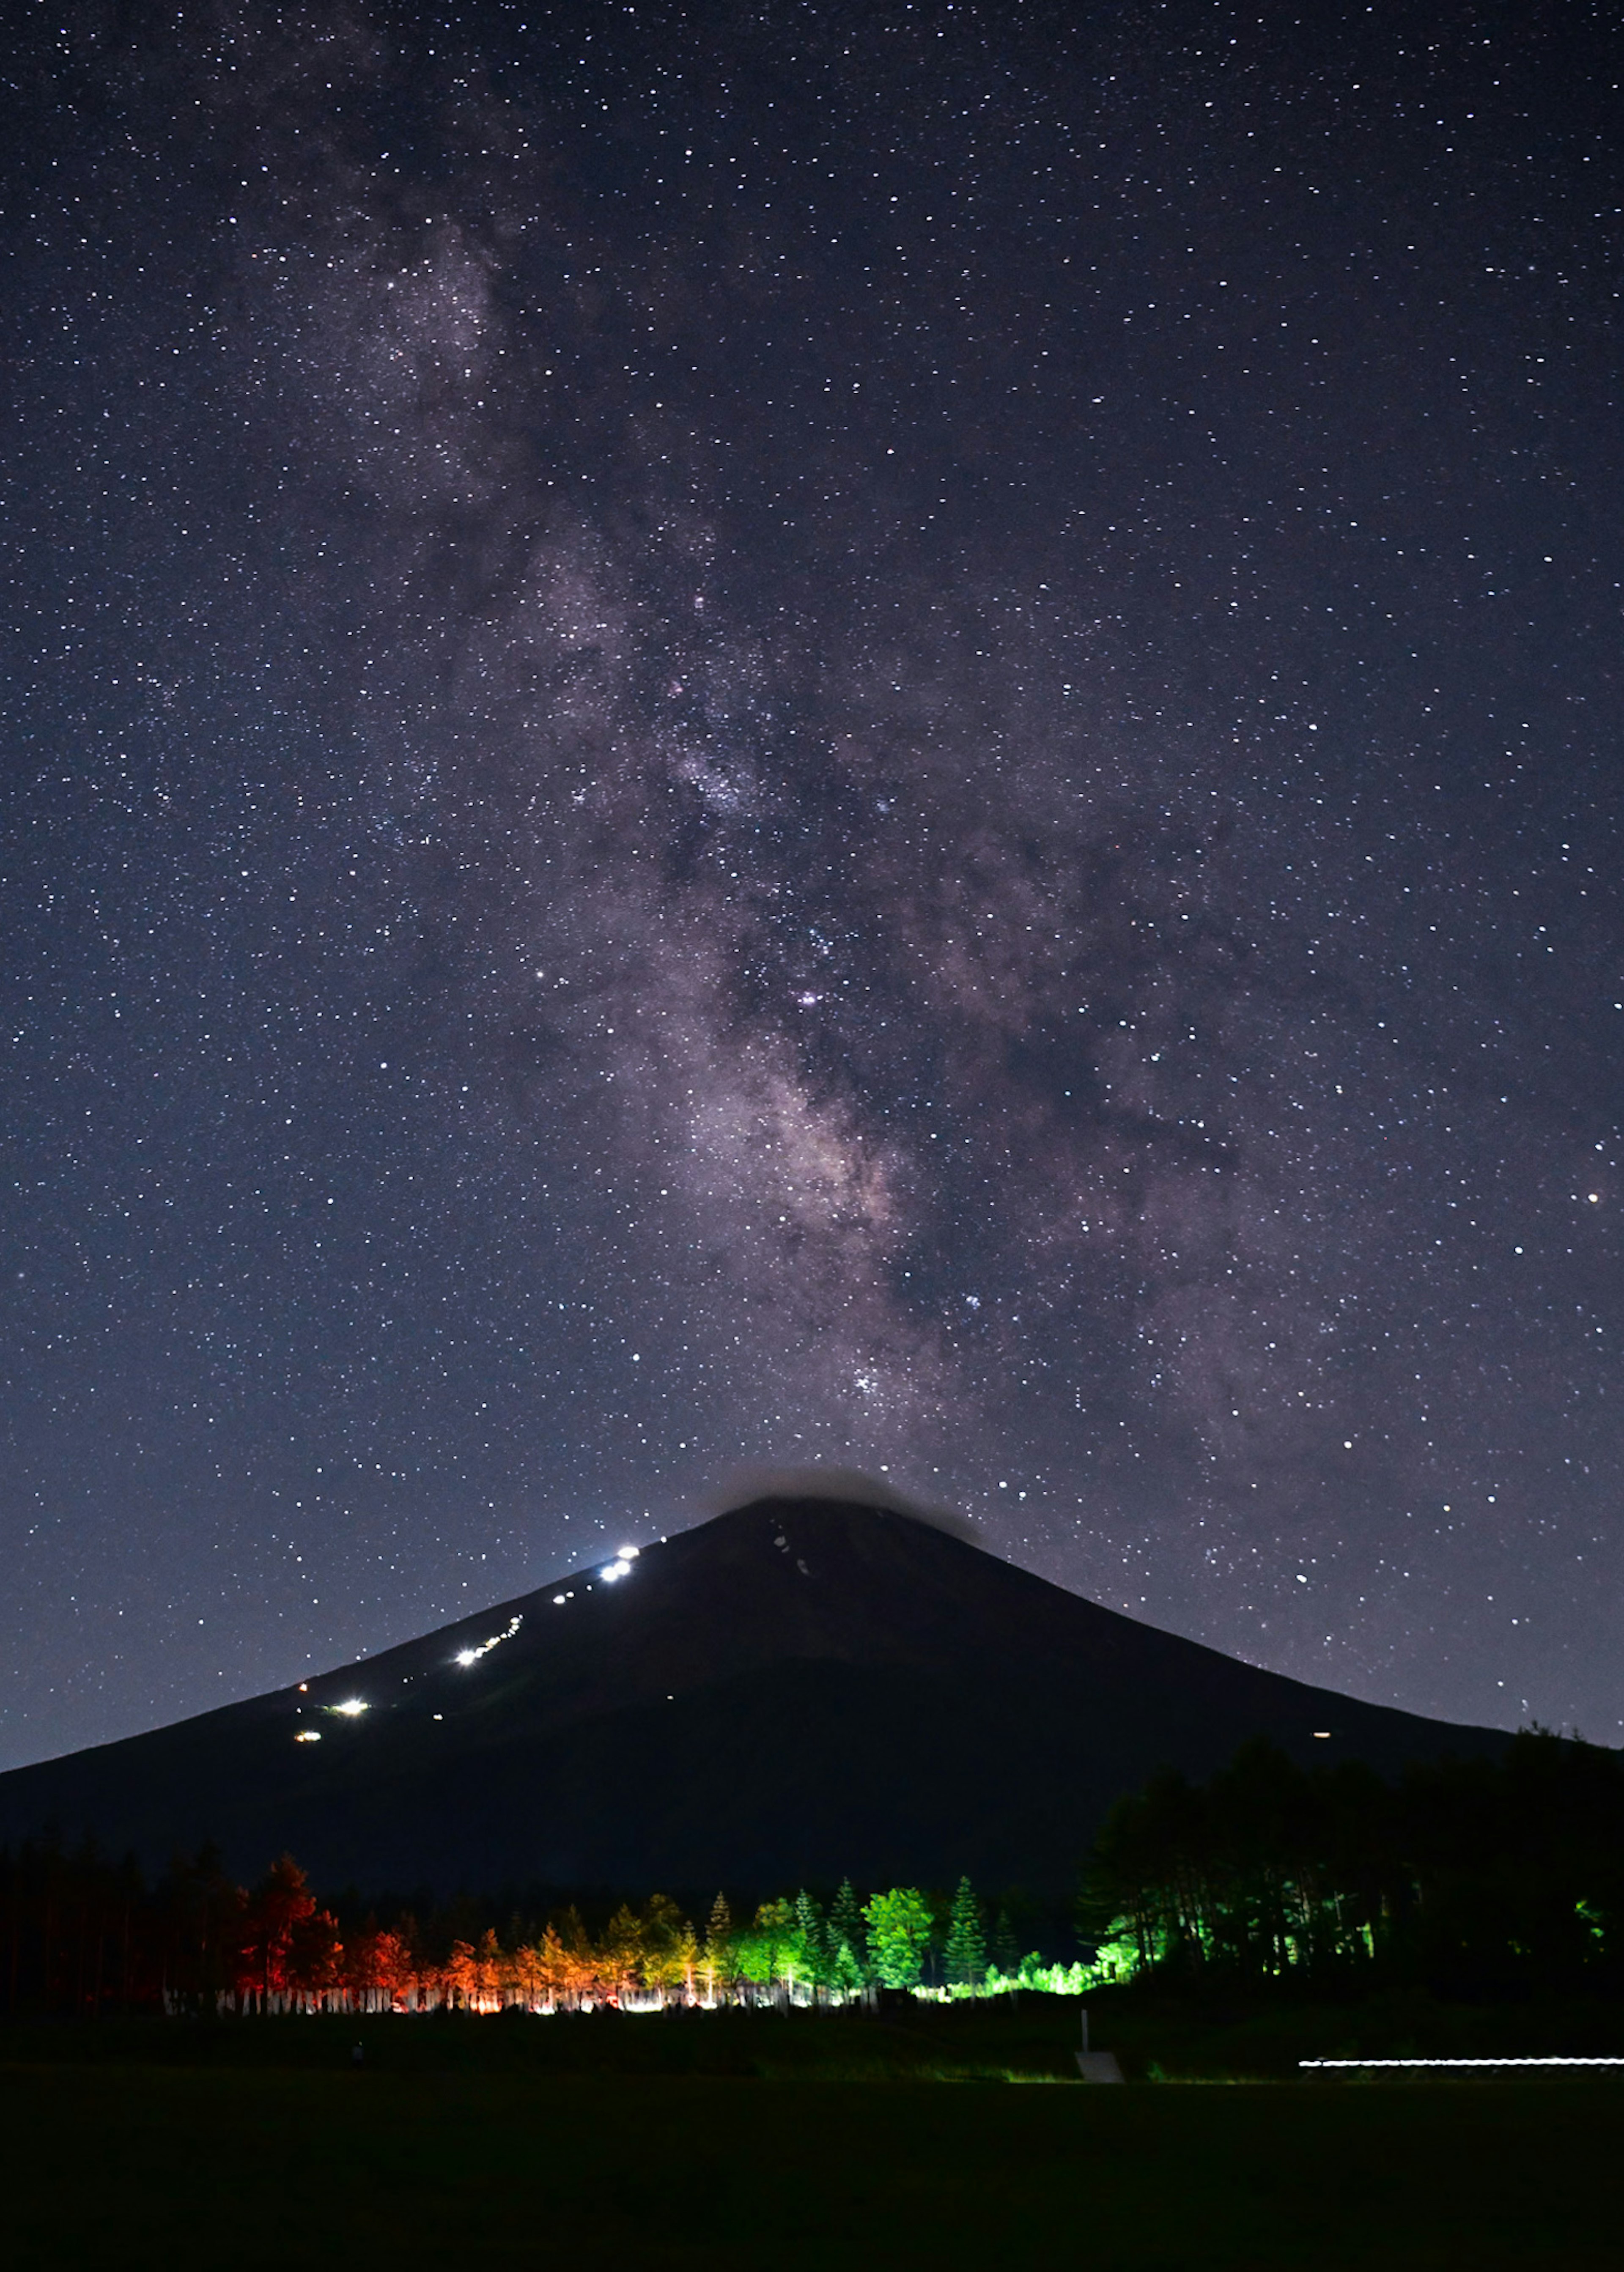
(796, 1691)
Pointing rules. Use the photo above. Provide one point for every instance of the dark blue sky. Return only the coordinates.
(757, 736)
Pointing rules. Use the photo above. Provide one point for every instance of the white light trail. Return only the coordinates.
(1462, 2062)
(466, 1656)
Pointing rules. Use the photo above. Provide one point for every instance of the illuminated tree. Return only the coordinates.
(964, 1955)
(552, 1967)
(812, 1956)
(314, 1953)
(620, 1952)
(280, 1902)
(460, 1975)
(529, 1972)
(581, 1971)
(377, 1963)
(1005, 1948)
(719, 1944)
(765, 1952)
(669, 1947)
(848, 1944)
(899, 1935)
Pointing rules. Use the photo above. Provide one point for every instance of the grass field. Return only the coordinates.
(605, 2143)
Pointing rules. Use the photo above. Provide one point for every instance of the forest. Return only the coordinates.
(79, 1934)
(1477, 1879)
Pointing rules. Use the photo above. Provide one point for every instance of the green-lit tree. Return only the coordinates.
(964, 1955)
(899, 1935)
(812, 1959)
(767, 1947)
(1480, 1876)
(847, 1943)
(1005, 1948)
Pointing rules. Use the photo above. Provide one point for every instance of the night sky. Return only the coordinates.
(759, 736)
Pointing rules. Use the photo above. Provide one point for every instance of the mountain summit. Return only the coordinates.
(799, 1690)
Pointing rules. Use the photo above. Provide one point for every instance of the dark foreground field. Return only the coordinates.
(755, 2141)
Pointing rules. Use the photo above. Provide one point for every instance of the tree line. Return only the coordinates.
(81, 1934)
(1476, 1878)
(1480, 1877)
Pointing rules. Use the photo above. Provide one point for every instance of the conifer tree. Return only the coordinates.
(847, 1939)
(1005, 1948)
(965, 1953)
(282, 1901)
(814, 1961)
(719, 1943)
(580, 1957)
(553, 1965)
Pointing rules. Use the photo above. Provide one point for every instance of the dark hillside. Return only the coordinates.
(796, 1691)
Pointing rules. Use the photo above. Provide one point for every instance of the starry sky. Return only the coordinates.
(749, 736)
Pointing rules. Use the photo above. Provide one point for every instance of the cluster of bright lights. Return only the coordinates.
(620, 1568)
(466, 1656)
(351, 1709)
(308, 1736)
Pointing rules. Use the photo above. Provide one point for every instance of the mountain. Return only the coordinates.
(799, 1690)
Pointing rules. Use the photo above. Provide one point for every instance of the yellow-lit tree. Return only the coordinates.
(620, 1952)
(669, 1947)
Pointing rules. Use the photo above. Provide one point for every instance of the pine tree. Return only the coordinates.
(1005, 1948)
(815, 1963)
(719, 1944)
(965, 1953)
(847, 1939)
(620, 1952)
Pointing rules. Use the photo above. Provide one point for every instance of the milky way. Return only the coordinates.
(884, 737)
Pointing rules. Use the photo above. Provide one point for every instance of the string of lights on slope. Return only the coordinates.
(353, 1706)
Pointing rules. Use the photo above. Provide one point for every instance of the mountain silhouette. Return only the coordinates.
(799, 1690)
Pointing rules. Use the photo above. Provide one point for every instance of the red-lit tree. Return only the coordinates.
(280, 1902)
(378, 1965)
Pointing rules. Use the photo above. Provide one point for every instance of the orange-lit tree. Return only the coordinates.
(280, 1902)
(314, 1955)
(378, 1965)
(717, 1960)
